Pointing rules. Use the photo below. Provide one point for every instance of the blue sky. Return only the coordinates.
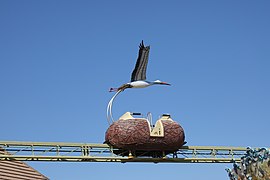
(59, 58)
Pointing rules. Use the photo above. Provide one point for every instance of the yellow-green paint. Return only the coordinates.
(94, 152)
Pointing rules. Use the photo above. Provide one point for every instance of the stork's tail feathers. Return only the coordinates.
(121, 88)
(113, 89)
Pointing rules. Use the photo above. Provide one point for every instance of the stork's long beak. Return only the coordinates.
(164, 83)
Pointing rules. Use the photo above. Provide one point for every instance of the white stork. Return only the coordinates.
(138, 78)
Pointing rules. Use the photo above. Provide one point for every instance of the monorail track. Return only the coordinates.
(91, 152)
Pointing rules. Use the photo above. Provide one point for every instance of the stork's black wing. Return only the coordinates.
(139, 72)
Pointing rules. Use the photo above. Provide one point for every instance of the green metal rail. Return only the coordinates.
(89, 152)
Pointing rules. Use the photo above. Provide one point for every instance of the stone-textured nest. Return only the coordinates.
(134, 134)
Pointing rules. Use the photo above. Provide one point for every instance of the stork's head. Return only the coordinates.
(160, 82)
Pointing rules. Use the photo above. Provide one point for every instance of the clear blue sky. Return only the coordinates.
(59, 58)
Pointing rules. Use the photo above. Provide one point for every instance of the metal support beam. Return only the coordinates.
(90, 152)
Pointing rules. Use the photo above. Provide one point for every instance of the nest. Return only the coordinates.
(136, 134)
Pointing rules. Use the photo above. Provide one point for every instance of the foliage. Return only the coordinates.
(254, 165)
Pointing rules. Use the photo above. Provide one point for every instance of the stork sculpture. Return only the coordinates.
(138, 78)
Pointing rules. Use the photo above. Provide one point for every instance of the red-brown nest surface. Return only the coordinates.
(134, 135)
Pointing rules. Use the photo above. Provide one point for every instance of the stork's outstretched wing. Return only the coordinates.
(139, 72)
